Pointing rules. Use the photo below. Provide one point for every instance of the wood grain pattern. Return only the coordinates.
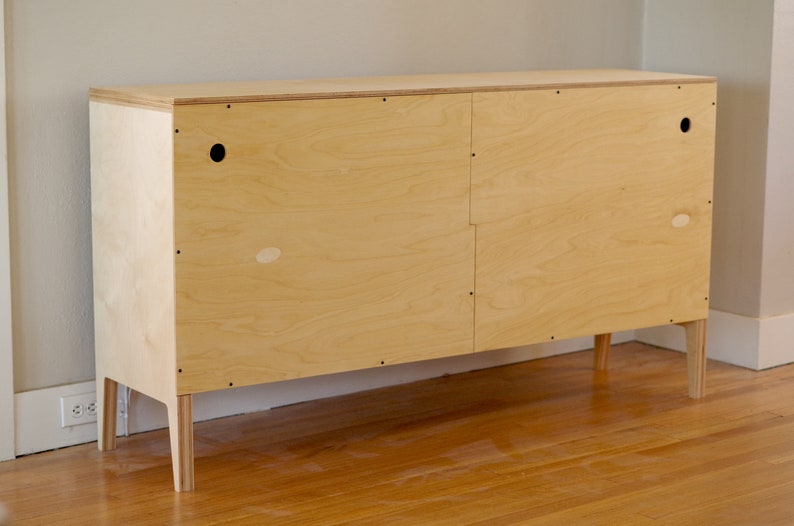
(180, 431)
(107, 397)
(603, 343)
(334, 235)
(574, 194)
(540, 442)
(169, 95)
(132, 240)
(696, 356)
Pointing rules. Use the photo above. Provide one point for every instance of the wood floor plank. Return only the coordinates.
(542, 442)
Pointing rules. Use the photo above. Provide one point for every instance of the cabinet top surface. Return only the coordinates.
(166, 96)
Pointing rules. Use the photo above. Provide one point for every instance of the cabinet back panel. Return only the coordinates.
(331, 235)
(593, 210)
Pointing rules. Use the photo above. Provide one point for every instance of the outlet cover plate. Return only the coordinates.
(78, 409)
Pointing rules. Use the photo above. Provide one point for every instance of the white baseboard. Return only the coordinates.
(38, 412)
(38, 420)
(755, 343)
(776, 342)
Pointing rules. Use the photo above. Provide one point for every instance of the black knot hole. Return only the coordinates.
(685, 124)
(217, 152)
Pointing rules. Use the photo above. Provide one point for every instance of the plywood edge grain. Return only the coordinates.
(128, 97)
(165, 96)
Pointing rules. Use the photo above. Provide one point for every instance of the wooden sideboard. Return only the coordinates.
(254, 232)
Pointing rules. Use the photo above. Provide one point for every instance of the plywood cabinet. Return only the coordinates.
(254, 232)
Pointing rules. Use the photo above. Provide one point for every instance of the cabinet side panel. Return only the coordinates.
(132, 240)
(593, 210)
(325, 236)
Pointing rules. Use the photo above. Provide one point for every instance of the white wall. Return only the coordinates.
(731, 39)
(56, 50)
(777, 272)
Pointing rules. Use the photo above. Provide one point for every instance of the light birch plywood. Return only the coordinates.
(593, 210)
(132, 238)
(334, 235)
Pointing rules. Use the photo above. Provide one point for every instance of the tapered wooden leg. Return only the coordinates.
(107, 392)
(180, 424)
(696, 357)
(601, 351)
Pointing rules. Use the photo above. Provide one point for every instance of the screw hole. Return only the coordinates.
(685, 124)
(217, 152)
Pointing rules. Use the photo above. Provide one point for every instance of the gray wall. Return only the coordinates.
(731, 39)
(57, 49)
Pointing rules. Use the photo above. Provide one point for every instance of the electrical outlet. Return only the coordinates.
(78, 409)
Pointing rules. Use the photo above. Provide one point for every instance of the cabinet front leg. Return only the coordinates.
(180, 424)
(696, 357)
(107, 393)
(601, 348)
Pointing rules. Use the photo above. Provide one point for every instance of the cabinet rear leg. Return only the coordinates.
(107, 392)
(180, 424)
(601, 351)
(696, 357)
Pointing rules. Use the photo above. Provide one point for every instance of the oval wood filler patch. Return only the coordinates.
(268, 255)
(681, 220)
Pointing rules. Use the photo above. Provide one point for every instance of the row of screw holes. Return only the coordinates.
(218, 150)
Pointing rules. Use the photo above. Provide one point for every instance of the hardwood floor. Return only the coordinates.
(543, 442)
